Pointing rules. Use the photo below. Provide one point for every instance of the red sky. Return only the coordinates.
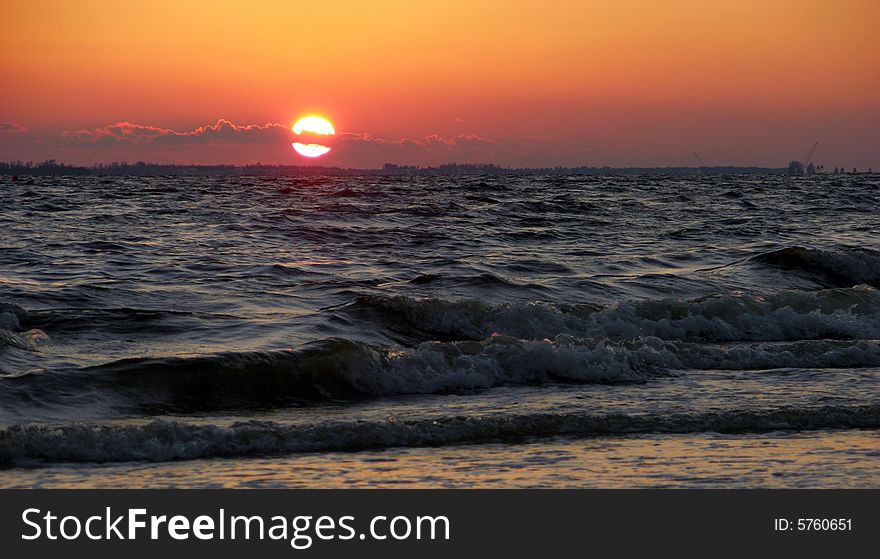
(629, 82)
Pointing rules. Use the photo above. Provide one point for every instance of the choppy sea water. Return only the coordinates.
(182, 330)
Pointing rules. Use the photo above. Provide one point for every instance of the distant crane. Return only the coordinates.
(700, 161)
(810, 155)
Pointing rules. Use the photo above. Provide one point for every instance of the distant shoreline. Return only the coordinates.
(51, 168)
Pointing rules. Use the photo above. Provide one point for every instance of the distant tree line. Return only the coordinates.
(48, 167)
(143, 168)
(492, 169)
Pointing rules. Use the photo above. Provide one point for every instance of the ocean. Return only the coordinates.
(448, 331)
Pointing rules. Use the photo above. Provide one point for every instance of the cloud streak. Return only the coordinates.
(365, 149)
(271, 141)
(223, 131)
(11, 127)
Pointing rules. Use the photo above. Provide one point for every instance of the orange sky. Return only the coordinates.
(624, 82)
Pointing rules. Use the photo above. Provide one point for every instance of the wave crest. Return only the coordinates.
(835, 268)
(343, 370)
(172, 440)
(841, 313)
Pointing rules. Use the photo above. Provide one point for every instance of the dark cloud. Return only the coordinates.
(222, 132)
(364, 149)
(11, 127)
(235, 143)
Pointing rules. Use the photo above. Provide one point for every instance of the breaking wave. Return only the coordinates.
(340, 370)
(336, 370)
(172, 440)
(838, 268)
(838, 313)
(12, 333)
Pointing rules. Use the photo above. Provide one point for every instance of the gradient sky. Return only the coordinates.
(585, 82)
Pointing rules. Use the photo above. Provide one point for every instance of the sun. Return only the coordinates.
(310, 126)
(310, 150)
(315, 125)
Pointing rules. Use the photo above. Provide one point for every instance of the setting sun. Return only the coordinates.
(310, 150)
(312, 125)
(315, 125)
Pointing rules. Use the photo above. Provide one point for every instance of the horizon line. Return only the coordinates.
(53, 163)
(51, 167)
